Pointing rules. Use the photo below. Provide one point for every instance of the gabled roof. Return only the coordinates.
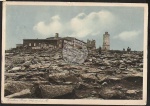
(69, 38)
(53, 38)
(73, 38)
(40, 39)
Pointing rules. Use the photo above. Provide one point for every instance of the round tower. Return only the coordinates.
(106, 41)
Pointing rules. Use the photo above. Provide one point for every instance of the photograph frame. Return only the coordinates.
(78, 101)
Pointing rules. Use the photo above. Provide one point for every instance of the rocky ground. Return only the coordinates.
(44, 74)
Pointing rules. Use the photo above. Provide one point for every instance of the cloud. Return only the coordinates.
(80, 26)
(92, 24)
(49, 28)
(128, 35)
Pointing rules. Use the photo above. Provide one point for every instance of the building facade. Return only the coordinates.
(51, 42)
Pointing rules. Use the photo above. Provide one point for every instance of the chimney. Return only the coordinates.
(56, 35)
(106, 33)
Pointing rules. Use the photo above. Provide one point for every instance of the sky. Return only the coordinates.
(124, 24)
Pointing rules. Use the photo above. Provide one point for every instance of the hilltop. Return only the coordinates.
(45, 74)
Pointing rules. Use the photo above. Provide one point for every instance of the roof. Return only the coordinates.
(57, 38)
(40, 39)
(52, 38)
(72, 38)
(69, 38)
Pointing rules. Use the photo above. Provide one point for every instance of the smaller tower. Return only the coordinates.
(56, 35)
(106, 41)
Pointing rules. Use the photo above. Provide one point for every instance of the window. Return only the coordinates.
(34, 44)
(29, 44)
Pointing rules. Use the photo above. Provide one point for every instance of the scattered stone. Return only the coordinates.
(84, 86)
(104, 83)
(57, 56)
(22, 94)
(14, 69)
(27, 64)
(90, 76)
(108, 75)
(118, 87)
(131, 92)
(93, 70)
(108, 93)
(16, 86)
(56, 91)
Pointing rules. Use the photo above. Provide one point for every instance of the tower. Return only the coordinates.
(106, 41)
(56, 35)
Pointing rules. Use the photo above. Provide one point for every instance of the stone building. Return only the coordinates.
(91, 44)
(51, 42)
(106, 41)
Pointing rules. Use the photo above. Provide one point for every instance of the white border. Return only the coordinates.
(77, 101)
